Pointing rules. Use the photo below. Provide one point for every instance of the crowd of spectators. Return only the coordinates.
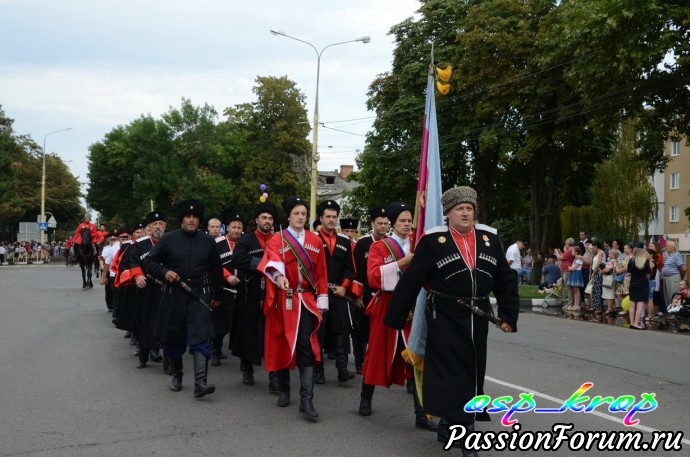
(28, 252)
(596, 276)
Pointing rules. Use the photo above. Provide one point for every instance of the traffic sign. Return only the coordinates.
(43, 226)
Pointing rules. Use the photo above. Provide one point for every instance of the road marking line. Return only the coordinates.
(559, 401)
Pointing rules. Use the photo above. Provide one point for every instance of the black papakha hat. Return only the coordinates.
(395, 209)
(290, 202)
(265, 207)
(328, 204)
(232, 217)
(349, 224)
(154, 216)
(190, 207)
(377, 211)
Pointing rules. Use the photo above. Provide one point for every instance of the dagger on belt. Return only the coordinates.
(187, 289)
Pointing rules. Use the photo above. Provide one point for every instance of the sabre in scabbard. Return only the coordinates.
(158, 282)
(288, 292)
(474, 309)
(190, 291)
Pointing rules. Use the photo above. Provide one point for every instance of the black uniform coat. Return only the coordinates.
(222, 314)
(194, 257)
(341, 272)
(148, 298)
(247, 333)
(455, 358)
(127, 308)
(360, 330)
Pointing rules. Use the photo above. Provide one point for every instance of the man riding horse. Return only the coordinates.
(78, 233)
(84, 250)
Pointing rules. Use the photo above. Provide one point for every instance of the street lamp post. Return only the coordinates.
(42, 217)
(314, 147)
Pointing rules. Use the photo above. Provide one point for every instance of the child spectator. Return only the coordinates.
(684, 291)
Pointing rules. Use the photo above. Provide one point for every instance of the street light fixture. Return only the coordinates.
(42, 216)
(314, 147)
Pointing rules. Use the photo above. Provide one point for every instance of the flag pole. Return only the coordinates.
(422, 176)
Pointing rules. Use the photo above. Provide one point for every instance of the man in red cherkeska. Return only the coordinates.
(86, 224)
(383, 362)
(297, 292)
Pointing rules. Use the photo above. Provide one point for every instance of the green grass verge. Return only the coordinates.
(528, 292)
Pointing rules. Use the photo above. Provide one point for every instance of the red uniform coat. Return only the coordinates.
(383, 366)
(100, 236)
(92, 229)
(280, 336)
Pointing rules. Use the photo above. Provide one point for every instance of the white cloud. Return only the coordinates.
(94, 65)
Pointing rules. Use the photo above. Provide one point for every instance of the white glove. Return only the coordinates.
(322, 302)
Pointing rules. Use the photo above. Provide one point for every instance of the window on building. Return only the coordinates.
(675, 180)
(675, 214)
(675, 148)
(330, 179)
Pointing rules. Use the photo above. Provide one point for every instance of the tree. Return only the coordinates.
(539, 91)
(12, 156)
(189, 153)
(185, 154)
(21, 170)
(619, 207)
(274, 130)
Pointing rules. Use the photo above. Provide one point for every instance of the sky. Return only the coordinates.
(93, 65)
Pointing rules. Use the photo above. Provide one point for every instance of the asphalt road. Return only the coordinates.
(68, 387)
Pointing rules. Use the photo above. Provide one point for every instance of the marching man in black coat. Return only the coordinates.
(461, 264)
(247, 334)
(341, 274)
(187, 257)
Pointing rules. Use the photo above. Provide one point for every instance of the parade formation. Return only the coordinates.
(289, 298)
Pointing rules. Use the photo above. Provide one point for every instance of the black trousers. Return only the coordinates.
(304, 354)
(109, 291)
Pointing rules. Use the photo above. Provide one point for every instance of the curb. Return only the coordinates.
(529, 303)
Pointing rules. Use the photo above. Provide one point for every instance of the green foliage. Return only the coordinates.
(538, 93)
(21, 170)
(619, 206)
(190, 153)
(274, 131)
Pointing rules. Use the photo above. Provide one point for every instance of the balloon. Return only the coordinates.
(262, 187)
(262, 199)
(265, 195)
(625, 304)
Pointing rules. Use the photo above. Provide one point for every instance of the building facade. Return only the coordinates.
(674, 198)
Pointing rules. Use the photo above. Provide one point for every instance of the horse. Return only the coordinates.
(97, 257)
(85, 254)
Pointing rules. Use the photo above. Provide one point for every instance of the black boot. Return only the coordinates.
(306, 392)
(176, 370)
(155, 355)
(319, 375)
(143, 357)
(247, 372)
(341, 360)
(284, 385)
(273, 384)
(166, 365)
(443, 435)
(215, 357)
(365, 399)
(200, 373)
(421, 419)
